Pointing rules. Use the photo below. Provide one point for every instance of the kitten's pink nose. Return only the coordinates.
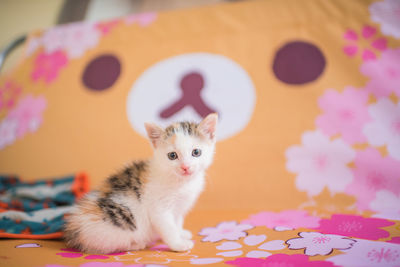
(185, 168)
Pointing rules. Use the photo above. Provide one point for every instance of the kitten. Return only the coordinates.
(149, 199)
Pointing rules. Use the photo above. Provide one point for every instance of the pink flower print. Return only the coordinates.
(386, 13)
(320, 162)
(47, 66)
(344, 113)
(384, 74)
(387, 205)
(290, 219)
(367, 33)
(28, 113)
(100, 264)
(8, 132)
(372, 173)
(319, 244)
(225, 230)
(369, 254)
(280, 260)
(75, 38)
(74, 253)
(355, 226)
(106, 27)
(143, 19)
(384, 129)
(9, 94)
(395, 240)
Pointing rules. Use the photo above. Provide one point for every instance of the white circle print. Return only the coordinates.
(189, 87)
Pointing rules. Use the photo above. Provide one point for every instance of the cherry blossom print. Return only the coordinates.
(280, 260)
(384, 73)
(235, 249)
(9, 94)
(102, 264)
(203, 261)
(32, 45)
(106, 27)
(229, 245)
(355, 226)
(74, 38)
(48, 66)
(29, 245)
(395, 240)
(369, 254)
(8, 132)
(354, 45)
(384, 129)
(386, 13)
(225, 230)
(372, 173)
(315, 243)
(387, 205)
(253, 240)
(320, 162)
(159, 256)
(74, 253)
(344, 113)
(291, 219)
(28, 114)
(143, 19)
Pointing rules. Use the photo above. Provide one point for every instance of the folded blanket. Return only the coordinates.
(37, 209)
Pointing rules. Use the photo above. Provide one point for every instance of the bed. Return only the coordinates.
(307, 168)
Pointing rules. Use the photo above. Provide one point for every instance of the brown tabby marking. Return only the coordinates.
(187, 128)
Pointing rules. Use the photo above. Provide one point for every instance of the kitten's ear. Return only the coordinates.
(208, 126)
(154, 133)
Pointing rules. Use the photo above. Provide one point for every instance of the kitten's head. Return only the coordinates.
(184, 149)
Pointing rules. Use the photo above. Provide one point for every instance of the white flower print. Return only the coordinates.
(385, 126)
(386, 13)
(8, 132)
(319, 244)
(234, 249)
(369, 254)
(74, 38)
(387, 204)
(320, 162)
(225, 230)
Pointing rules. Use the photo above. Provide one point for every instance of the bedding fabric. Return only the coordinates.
(307, 167)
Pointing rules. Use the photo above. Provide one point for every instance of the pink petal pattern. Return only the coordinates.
(225, 230)
(380, 44)
(344, 113)
(368, 31)
(350, 35)
(350, 50)
(372, 173)
(368, 55)
(355, 226)
(288, 218)
(280, 260)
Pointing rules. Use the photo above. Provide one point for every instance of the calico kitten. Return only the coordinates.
(148, 199)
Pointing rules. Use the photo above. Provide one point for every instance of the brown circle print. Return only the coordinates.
(102, 72)
(298, 62)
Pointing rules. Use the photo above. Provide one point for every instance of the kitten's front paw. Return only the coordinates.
(182, 245)
(186, 234)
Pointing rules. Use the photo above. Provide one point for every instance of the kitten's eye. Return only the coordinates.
(196, 152)
(172, 155)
